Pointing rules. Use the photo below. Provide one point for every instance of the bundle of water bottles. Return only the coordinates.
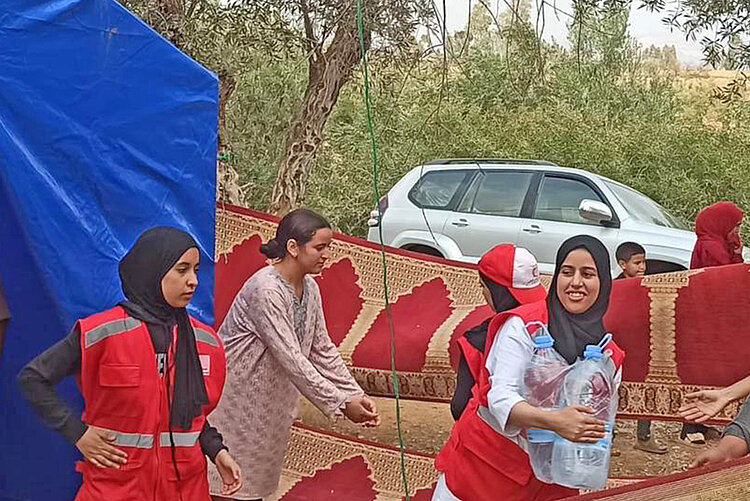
(550, 383)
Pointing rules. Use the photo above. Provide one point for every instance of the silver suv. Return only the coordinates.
(460, 208)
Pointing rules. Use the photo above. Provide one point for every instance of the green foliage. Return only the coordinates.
(224, 36)
(603, 105)
(605, 112)
(637, 131)
(723, 27)
(655, 60)
(268, 92)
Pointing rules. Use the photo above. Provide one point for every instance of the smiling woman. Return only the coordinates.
(578, 282)
(486, 456)
(579, 295)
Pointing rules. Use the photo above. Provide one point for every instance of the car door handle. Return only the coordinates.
(533, 229)
(461, 223)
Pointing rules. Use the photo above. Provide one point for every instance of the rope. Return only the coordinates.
(376, 193)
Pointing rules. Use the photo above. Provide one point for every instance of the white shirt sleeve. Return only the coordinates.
(508, 358)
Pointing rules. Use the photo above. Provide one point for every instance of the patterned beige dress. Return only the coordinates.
(277, 347)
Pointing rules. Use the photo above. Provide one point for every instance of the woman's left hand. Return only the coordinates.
(231, 474)
(361, 409)
(369, 404)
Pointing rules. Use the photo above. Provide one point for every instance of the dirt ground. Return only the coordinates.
(426, 427)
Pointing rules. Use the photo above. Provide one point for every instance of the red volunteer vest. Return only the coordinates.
(472, 356)
(124, 393)
(481, 464)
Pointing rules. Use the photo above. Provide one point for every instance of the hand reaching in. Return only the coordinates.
(730, 447)
(701, 406)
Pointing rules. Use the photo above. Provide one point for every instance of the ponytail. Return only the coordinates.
(299, 225)
(272, 249)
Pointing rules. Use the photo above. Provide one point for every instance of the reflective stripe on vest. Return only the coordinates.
(136, 440)
(489, 419)
(110, 329)
(181, 438)
(146, 441)
(202, 336)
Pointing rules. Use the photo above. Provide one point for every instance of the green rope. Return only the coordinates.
(376, 192)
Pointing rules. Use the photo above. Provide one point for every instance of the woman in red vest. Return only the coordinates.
(485, 458)
(510, 278)
(149, 374)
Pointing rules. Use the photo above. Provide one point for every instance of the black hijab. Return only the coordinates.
(502, 299)
(141, 273)
(573, 332)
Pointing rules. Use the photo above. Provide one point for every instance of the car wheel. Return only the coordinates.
(423, 249)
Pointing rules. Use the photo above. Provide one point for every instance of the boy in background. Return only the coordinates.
(632, 259)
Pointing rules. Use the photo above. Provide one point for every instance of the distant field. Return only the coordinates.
(705, 79)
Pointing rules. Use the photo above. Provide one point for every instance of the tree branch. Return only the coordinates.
(309, 32)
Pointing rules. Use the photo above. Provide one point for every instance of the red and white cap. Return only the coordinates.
(516, 269)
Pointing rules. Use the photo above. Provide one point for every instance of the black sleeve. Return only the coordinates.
(464, 384)
(211, 441)
(38, 380)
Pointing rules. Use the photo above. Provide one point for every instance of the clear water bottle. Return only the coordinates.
(590, 383)
(542, 383)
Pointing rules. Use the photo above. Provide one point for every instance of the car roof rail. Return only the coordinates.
(513, 161)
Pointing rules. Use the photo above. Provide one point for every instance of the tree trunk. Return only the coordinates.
(168, 18)
(328, 72)
(227, 183)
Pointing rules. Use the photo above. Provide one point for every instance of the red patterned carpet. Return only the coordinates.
(666, 323)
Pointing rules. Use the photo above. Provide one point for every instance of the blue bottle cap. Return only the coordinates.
(592, 352)
(543, 341)
(595, 351)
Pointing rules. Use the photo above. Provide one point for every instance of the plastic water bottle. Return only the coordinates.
(542, 383)
(590, 382)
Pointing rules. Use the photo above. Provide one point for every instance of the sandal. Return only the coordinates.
(696, 438)
(651, 446)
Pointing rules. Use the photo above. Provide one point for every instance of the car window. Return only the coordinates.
(643, 208)
(560, 197)
(435, 190)
(471, 193)
(499, 193)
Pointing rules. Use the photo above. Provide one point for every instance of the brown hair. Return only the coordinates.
(300, 225)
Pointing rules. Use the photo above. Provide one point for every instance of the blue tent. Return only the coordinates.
(106, 129)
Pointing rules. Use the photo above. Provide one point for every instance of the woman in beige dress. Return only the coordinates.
(277, 347)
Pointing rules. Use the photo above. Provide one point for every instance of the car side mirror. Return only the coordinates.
(595, 211)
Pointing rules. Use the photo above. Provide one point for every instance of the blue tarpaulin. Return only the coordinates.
(106, 129)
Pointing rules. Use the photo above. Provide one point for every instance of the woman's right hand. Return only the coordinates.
(702, 405)
(575, 423)
(96, 446)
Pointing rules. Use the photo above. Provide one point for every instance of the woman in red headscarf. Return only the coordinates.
(719, 243)
(718, 230)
